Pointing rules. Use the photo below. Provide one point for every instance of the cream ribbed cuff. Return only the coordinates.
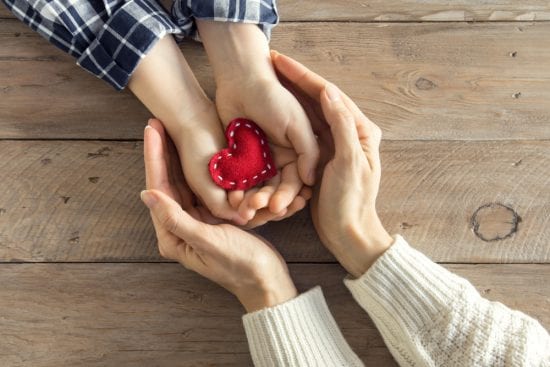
(300, 332)
(404, 288)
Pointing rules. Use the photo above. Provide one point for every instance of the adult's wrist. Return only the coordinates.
(368, 243)
(268, 294)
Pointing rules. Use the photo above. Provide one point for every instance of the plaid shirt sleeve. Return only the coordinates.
(261, 12)
(110, 37)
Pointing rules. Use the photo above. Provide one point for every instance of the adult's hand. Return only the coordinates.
(344, 205)
(246, 265)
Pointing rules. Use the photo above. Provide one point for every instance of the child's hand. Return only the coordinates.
(247, 86)
(195, 146)
(279, 114)
(244, 264)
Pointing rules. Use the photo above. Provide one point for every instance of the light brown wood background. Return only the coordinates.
(460, 90)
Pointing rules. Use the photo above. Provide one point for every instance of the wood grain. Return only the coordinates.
(161, 315)
(417, 81)
(402, 10)
(412, 10)
(78, 201)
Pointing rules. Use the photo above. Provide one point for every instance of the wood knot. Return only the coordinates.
(425, 84)
(494, 222)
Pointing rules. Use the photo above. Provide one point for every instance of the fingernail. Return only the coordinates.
(148, 127)
(148, 199)
(332, 92)
(149, 122)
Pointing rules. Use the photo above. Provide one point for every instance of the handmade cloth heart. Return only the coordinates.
(247, 161)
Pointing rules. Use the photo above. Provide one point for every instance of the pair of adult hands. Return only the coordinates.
(343, 204)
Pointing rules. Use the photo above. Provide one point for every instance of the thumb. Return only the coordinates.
(341, 121)
(171, 216)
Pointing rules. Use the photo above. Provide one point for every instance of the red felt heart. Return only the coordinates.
(247, 161)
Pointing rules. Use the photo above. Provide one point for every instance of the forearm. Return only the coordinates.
(165, 84)
(429, 316)
(236, 50)
(300, 332)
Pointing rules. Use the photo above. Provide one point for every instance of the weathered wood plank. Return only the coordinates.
(402, 10)
(411, 10)
(161, 315)
(78, 201)
(417, 81)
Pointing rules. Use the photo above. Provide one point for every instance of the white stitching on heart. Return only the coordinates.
(264, 153)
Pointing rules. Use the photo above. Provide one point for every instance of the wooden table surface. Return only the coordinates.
(460, 89)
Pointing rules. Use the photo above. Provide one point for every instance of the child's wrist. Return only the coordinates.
(238, 52)
(191, 116)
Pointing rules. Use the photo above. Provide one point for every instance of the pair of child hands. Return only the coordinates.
(247, 86)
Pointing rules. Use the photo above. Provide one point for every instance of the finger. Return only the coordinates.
(156, 173)
(261, 198)
(311, 106)
(306, 80)
(170, 216)
(216, 201)
(341, 121)
(263, 216)
(175, 171)
(235, 198)
(306, 192)
(297, 204)
(304, 142)
(245, 210)
(288, 188)
(167, 248)
(171, 181)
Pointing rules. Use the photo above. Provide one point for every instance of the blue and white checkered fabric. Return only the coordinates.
(110, 37)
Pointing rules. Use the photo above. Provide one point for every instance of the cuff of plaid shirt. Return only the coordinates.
(261, 12)
(125, 39)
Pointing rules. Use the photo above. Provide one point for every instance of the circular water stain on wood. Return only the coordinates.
(494, 222)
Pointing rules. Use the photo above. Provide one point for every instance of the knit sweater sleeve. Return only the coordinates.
(300, 332)
(429, 316)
